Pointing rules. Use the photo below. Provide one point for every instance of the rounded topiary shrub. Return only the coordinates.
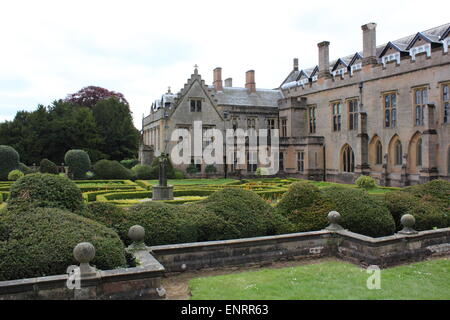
(192, 169)
(365, 182)
(246, 211)
(9, 161)
(129, 163)
(109, 169)
(209, 225)
(79, 163)
(210, 168)
(142, 172)
(163, 223)
(47, 166)
(45, 190)
(428, 214)
(360, 213)
(179, 174)
(304, 205)
(15, 175)
(437, 191)
(107, 214)
(40, 242)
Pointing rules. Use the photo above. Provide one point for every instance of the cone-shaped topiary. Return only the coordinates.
(9, 161)
(79, 163)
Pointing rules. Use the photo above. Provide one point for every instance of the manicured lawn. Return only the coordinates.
(329, 280)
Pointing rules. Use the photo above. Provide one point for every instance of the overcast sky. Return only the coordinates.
(52, 48)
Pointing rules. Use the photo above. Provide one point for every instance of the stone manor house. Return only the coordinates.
(383, 112)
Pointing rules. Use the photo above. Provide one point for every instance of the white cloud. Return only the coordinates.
(139, 48)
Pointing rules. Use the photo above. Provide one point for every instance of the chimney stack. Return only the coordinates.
(295, 64)
(324, 59)
(228, 83)
(250, 81)
(218, 79)
(369, 43)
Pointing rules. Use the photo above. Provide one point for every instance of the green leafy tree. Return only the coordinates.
(115, 124)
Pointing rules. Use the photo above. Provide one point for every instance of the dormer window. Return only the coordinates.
(355, 67)
(303, 81)
(420, 49)
(314, 78)
(339, 72)
(391, 57)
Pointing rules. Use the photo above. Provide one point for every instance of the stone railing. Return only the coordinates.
(144, 281)
(405, 246)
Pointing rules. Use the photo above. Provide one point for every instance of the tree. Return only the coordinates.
(115, 124)
(91, 95)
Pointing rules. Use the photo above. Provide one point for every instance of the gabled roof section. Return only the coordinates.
(339, 61)
(420, 35)
(445, 34)
(302, 73)
(293, 76)
(400, 47)
(314, 71)
(195, 77)
(357, 56)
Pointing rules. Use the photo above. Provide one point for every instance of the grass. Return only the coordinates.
(333, 280)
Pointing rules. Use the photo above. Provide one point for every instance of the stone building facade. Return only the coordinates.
(382, 112)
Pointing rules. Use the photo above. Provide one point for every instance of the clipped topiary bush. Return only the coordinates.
(47, 166)
(365, 182)
(179, 174)
(437, 191)
(129, 163)
(79, 163)
(40, 242)
(9, 161)
(45, 190)
(191, 169)
(360, 213)
(210, 168)
(163, 223)
(15, 175)
(246, 211)
(209, 225)
(304, 205)
(428, 214)
(142, 172)
(109, 169)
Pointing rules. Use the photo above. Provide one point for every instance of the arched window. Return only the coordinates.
(419, 152)
(379, 153)
(348, 159)
(398, 153)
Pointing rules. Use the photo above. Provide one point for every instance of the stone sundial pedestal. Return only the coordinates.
(162, 191)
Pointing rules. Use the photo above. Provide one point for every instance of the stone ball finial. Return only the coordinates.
(136, 233)
(408, 221)
(333, 219)
(84, 252)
